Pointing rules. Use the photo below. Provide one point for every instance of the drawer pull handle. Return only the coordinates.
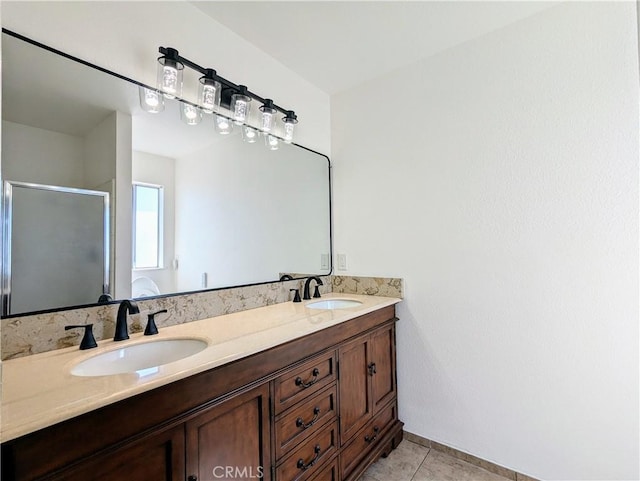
(192, 478)
(303, 466)
(301, 424)
(304, 384)
(372, 368)
(372, 438)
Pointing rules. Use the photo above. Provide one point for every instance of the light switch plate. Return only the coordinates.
(342, 262)
(324, 261)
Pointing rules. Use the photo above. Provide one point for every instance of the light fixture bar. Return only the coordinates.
(229, 88)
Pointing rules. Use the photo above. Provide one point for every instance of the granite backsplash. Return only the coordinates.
(32, 334)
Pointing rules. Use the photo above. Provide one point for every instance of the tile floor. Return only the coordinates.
(412, 462)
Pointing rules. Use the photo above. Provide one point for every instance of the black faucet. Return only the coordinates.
(122, 332)
(306, 296)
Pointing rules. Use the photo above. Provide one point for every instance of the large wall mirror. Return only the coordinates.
(184, 209)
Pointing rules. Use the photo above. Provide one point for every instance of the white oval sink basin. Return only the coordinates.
(334, 304)
(144, 358)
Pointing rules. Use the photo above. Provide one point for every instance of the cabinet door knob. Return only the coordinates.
(314, 378)
(372, 368)
(192, 478)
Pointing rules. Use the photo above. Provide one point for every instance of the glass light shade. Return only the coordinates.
(190, 114)
(267, 120)
(272, 142)
(249, 134)
(288, 128)
(209, 94)
(240, 108)
(151, 100)
(170, 77)
(224, 126)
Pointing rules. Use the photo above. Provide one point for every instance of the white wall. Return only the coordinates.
(41, 156)
(125, 36)
(500, 179)
(250, 219)
(100, 153)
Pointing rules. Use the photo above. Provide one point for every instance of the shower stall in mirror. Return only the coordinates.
(56, 246)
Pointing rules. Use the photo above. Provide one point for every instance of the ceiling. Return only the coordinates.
(337, 45)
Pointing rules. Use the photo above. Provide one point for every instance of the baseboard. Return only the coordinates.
(469, 458)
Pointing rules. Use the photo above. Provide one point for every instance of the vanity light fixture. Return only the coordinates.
(289, 121)
(272, 142)
(190, 114)
(170, 70)
(151, 100)
(224, 126)
(214, 94)
(249, 134)
(268, 117)
(209, 91)
(240, 105)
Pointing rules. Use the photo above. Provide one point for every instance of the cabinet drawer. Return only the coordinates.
(305, 461)
(304, 419)
(358, 448)
(329, 473)
(303, 380)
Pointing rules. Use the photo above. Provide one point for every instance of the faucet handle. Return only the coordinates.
(296, 297)
(88, 341)
(316, 292)
(151, 328)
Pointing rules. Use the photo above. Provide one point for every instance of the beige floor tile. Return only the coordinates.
(366, 477)
(442, 467)
(400, 465)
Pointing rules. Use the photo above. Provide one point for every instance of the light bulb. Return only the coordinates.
(240, 110)
(272, 142)
(249, 134)
(190, 114)
(267, 119)
(223, 125)
(208, 98)
(151, 100)
(169, 80)
(209, 92)
(170, 71)
(240, 105)
(267, 122)
(288, 132)
(289, 122)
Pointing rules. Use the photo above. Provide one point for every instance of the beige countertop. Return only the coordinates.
(39, 390)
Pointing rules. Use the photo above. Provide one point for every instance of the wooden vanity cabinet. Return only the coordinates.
(368, 403)
(158, 456)
(231, 439)
(319, 408)
(232, 435)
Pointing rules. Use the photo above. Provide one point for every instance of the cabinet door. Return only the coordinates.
(231, 440)
(355, 395)
(382, 369)
(159, 456)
